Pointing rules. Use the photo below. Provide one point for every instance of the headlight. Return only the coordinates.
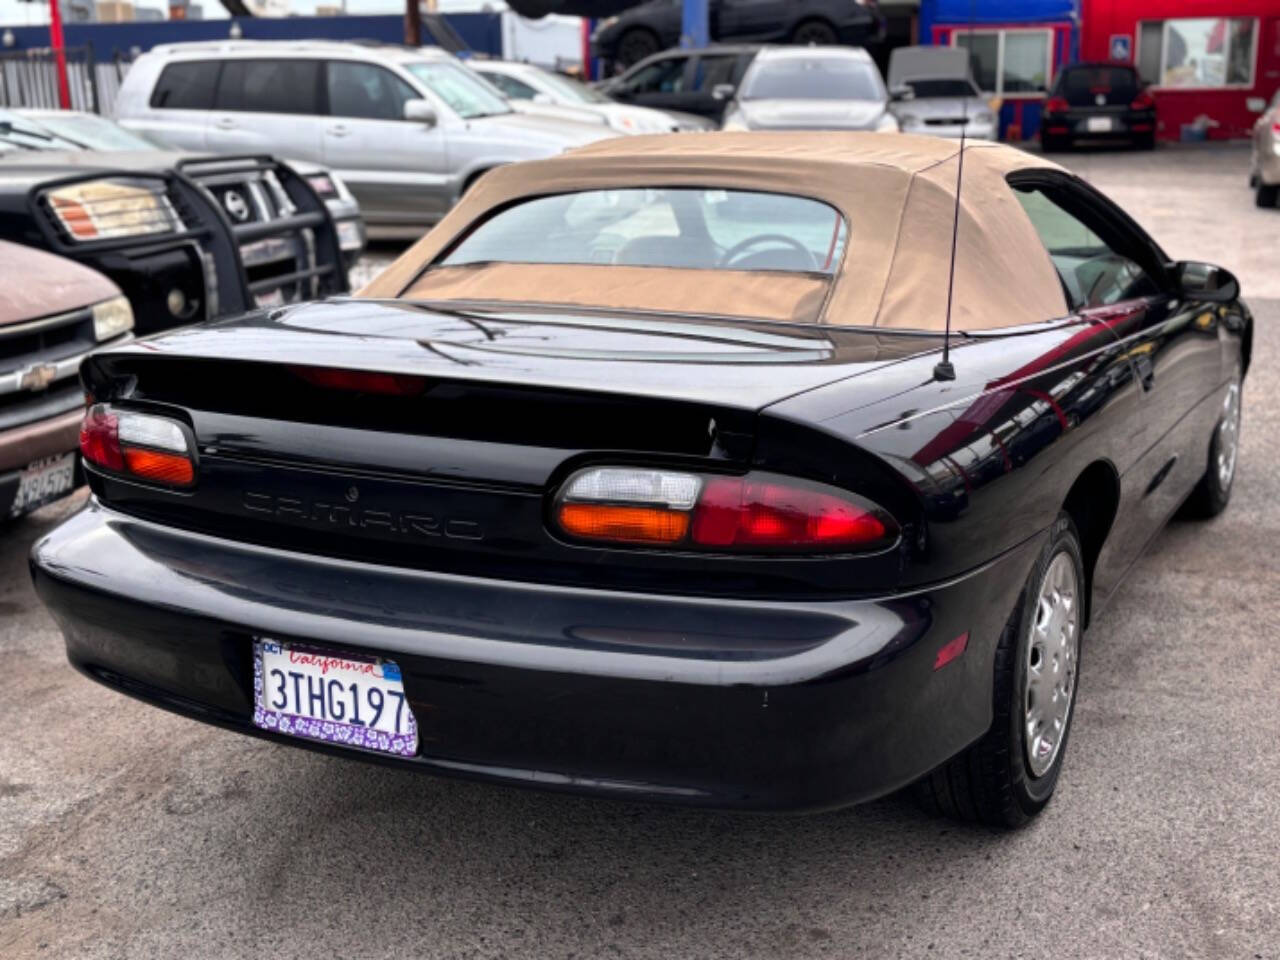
(735, 121)
(349, 237)
(102, 209)
(888, 124)
(323, 185)
(111, 318)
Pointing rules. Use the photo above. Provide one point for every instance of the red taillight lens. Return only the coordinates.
(360, 381)
(155, 449)
(1143, 101)
(1056, 105)
(99, 438)
(758, 513)
(741, 512)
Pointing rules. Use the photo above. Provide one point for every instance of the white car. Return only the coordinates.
(809, 88)
(528, 82)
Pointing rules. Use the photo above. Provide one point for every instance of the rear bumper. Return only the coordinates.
(1120, 127)
(712, 702)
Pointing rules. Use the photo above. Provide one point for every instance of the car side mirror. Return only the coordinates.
(1204, 281)
(723, 91)
(420, 111)
(901, 94)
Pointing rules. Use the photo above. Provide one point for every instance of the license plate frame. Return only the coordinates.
(345, 668)
(42, 482)
(1098, 125)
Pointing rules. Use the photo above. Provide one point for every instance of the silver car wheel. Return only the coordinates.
(1050, 674)
(1229, 436)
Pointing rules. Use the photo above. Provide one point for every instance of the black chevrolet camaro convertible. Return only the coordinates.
(640, 476)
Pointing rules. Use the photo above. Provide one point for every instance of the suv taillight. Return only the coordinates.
(137, 445)
(1143, 101)
(1056, 105)
(756, 513)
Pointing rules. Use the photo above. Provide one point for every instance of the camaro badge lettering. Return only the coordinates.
(322, 513)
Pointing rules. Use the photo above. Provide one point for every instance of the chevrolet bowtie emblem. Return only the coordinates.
(37, 376)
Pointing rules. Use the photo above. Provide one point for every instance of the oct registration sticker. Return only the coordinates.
(346, 699)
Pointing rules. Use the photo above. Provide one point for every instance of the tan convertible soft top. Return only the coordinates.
(896, 191)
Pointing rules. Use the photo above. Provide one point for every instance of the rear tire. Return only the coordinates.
(1267, 194)
(814, 33)
(996, 781)
(636, 44)
(1213, 492)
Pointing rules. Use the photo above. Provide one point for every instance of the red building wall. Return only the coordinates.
(1103, 20)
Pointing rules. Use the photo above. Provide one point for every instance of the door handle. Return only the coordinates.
(339, 130)
(1146, 372)
(226, 123)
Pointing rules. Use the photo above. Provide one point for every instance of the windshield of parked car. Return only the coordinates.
(20, 133)
(942, 88)
(815, 78)
(466, 94)
(572, 89)
(672, 227)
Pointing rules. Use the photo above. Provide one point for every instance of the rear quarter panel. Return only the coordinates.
(992, 455)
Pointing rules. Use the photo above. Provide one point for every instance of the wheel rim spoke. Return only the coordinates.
(1050, 668)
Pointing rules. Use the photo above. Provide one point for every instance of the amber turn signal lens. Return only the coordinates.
(623, 524)
(167, 468)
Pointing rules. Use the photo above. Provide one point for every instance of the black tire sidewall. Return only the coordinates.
(637, 35)
(1030, 792)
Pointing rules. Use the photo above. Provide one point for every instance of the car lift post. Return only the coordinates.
(695, 24)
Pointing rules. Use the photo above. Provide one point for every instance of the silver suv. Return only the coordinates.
(407, 130)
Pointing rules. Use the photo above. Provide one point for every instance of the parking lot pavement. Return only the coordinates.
(127, 832)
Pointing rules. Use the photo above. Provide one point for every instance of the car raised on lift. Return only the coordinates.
(661, 470)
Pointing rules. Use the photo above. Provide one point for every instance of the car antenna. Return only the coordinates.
(944, 370)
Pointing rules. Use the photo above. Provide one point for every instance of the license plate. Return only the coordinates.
(347, 699)
(44, 481)
(1098, 124)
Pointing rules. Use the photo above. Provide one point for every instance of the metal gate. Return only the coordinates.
(29, 78)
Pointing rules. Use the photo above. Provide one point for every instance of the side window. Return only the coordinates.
(186, 86)
(365, 91)
(662, 76)
(510, 86)
(712, 71)
(270, 86)
(1093, 273)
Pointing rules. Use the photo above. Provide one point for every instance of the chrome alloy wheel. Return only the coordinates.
(1052, 655)
(1229, 436)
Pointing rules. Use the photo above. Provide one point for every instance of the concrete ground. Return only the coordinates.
(127, 832)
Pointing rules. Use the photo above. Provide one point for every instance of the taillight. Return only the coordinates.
(758, 513)
(361, 381)
(1056, 105)
(154, 449)
(1143, 101)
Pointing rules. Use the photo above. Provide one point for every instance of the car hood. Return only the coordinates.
(637, 119)
(36, 166)
(561, 111)
(739, 364)
(553, 133)
(812, 114)
(64, 284)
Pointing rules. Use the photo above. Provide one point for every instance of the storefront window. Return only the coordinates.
(1009, 62)
(1198, 52)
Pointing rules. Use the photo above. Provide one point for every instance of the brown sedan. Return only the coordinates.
(53, 312)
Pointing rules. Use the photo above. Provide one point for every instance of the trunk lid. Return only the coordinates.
(457, 473)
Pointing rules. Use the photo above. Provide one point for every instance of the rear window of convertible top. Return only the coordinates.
(695, 228)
